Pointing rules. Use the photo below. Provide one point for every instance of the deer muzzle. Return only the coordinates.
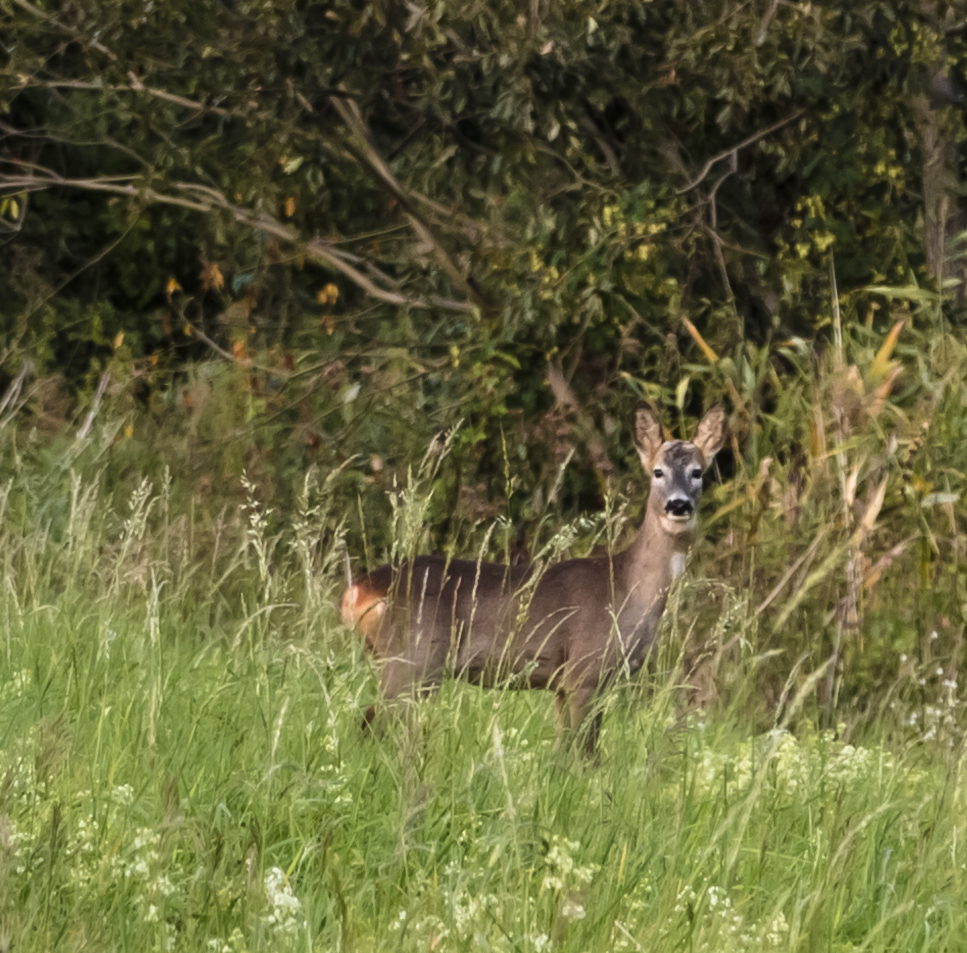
(679, 508)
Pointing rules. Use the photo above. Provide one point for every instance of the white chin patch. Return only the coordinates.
(677, 525)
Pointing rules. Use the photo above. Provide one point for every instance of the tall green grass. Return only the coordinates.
(182, 768)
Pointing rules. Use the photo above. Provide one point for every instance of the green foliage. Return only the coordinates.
(544, 168)
(394, 218)
(242, 243)
(245, 242)
(845, 478)
(183, 769)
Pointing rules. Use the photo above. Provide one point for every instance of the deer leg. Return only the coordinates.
(562, 716)
(591, 734)
(586, 729)
(393, 682)
(571, 721)
(402, 677)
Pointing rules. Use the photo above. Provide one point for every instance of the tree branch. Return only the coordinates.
(755, 137)
(135, 86)
(73, 34)
(200, 198)
(362, 141)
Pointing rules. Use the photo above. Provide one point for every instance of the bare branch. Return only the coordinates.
(12, 397)
(349, 111)
(755, 137)
(766, 20)
(101, 387)
(74, 34)
(136, 86)
(246, 362)
(610, 157)
(720, 261)
(362, 141)
(201, 198)
(568, 401)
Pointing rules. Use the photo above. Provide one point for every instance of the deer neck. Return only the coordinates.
(652, 562)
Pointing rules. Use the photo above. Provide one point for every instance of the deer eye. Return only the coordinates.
(658, 474)
(697, 474)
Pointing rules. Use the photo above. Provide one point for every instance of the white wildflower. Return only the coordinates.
(778, 932)
(284, 915)
(572, 910)
(123, 794)
(562, 869)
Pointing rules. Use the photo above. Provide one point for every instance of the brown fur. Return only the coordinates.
(570, 630)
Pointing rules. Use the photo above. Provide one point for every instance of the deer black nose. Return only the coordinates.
(679, 507)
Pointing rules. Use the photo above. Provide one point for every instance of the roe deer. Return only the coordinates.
(570, 629)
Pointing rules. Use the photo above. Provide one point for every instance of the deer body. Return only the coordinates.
(569, 629)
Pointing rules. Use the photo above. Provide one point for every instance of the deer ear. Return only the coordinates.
(711, 433)
(648, 437)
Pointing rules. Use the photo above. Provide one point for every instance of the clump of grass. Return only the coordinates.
(183, 769)
(181, 764)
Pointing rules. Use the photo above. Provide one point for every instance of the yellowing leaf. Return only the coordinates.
(171, 287)
(129, 430)
(211, 276)
(118, 340)
(681, 391)
(726, 509)
(849, 491)
(328, 295)
(290, 206)
(874, 506)
(700, 341)
(881, 363)
(883, 391)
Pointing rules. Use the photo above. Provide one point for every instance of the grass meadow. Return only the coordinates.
(183, 768)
